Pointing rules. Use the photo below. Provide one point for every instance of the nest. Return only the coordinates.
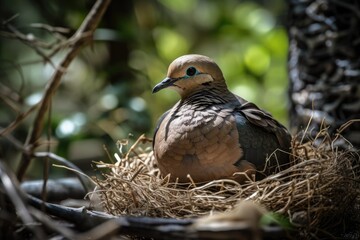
(319, 192)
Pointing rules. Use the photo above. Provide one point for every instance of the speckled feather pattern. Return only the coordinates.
(200, 143)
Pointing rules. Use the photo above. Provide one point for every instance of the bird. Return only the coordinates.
(211, 133)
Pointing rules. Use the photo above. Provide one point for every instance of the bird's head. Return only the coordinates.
(190, 73)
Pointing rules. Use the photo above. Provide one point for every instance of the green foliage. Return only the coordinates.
(170, 44)
(243, 38)
(272, 218)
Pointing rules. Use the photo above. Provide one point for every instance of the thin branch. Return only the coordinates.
(51, 224)
(57, 189)
(85, 182)
(10, 185)
(10, 19)
(29, 40)
(46, 167)
(17, 144)
(159, 228)
(19, 119)
(50, 29)
(86, 29)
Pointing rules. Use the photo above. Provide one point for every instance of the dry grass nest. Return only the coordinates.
(320, 190)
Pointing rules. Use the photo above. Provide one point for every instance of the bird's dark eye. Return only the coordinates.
(191, 71)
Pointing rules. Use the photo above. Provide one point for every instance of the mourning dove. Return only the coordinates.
(211, 133)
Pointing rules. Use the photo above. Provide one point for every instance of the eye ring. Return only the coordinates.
(191, 71)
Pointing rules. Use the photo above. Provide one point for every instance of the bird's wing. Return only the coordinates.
(265, 120)
(158, 125)
(260, 135)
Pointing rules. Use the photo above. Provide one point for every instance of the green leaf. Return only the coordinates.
(272, 218)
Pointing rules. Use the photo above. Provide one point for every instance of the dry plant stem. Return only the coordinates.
(132, 148)
(10, 186)
(46, 160)
(317, 192)
(17, 144)
(17, 121)
(49, 223)
(49, 28)
(79, 174)
(106, 230)
(102, 225)
(81, 38)
(36, 46)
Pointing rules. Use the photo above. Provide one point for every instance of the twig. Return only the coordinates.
(140, 139)
(51, 224)
(30, 41)
(46, 160)
(10, 185)
(76, 171)
(159, 228)
(86, 29)
(17, 121)
(49, 28)
(57, 189)
(83, 178)
(105, 230)
(17, 144)
(10, 19)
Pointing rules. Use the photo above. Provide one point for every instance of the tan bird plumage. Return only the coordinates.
(211, 133)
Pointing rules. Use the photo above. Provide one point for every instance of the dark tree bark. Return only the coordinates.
(324, 65)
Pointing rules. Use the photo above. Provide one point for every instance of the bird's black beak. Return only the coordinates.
(167, 82)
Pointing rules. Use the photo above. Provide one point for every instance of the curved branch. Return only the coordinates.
(81, 37)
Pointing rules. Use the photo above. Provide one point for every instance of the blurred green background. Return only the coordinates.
(106, 94)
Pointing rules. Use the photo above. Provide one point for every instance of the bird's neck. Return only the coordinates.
(215, 93)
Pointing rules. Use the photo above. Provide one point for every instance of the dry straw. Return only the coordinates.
(318, 192)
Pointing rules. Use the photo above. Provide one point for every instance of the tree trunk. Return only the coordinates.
(324, 66)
